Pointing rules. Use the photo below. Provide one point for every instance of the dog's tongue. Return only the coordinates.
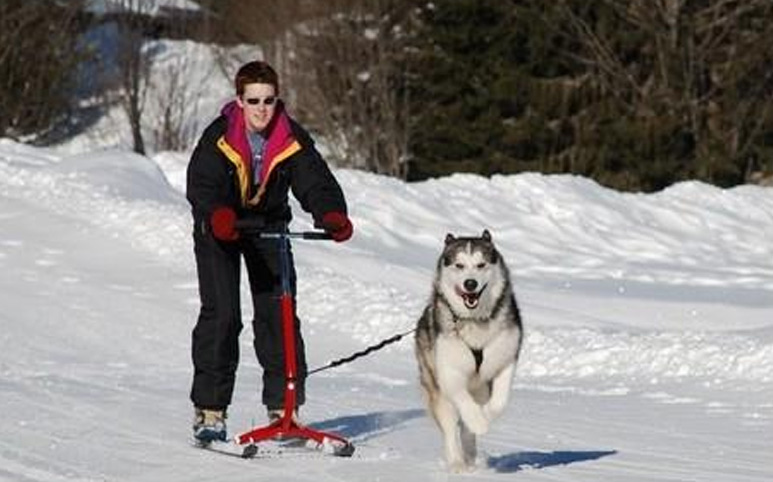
(470, 299)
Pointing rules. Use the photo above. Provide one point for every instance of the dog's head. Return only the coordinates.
(471, 274)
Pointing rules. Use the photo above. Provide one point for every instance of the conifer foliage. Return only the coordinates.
(635, 94)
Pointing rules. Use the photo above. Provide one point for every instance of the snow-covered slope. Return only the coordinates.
(649, 321)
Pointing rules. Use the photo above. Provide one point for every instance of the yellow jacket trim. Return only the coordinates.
(287, 152)
(241, 171)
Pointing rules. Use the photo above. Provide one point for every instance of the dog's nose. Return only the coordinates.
(470, 284)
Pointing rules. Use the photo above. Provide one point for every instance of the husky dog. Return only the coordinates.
(467, 344)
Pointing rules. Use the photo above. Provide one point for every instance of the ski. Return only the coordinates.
(227, 447)
(290, 448)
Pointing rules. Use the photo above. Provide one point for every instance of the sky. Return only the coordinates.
(648, 352)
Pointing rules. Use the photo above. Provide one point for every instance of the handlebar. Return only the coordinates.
(256, 228)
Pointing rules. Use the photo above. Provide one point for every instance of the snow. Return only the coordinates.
(649, 327)
(185, 77)
(155, 7)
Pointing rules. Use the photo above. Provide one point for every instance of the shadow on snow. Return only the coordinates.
(369, 425)
(539, 460)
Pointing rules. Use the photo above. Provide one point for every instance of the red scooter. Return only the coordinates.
(286, 427)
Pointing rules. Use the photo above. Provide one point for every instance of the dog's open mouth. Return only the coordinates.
(470, 298)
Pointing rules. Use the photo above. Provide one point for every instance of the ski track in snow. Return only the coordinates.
(648, 355)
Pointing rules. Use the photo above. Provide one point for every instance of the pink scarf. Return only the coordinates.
(280, 136)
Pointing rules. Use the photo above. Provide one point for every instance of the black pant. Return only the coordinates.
(215, 347)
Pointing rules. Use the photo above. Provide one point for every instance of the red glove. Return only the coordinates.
(223, 222)
(337, 225)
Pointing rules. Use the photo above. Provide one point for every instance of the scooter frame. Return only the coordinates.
(286, 427)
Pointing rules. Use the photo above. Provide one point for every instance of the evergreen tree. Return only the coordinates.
(464, 87)
(637, 95)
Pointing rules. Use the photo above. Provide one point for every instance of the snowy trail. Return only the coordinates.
(642, 361)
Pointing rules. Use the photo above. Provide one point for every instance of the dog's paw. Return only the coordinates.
(460, 467)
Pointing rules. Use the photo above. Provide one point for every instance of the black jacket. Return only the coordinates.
(216, 177)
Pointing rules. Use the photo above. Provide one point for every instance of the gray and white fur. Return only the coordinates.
(467, 344)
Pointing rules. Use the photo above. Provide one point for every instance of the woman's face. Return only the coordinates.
(259, 103)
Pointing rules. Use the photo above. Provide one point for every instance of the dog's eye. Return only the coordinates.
(459, 266)
(480, 265)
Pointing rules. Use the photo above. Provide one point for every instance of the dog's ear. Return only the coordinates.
(450, 238)
(493, 255)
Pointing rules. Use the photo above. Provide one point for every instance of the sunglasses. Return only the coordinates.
(270, 100)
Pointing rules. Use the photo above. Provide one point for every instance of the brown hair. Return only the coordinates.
(255, 72)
